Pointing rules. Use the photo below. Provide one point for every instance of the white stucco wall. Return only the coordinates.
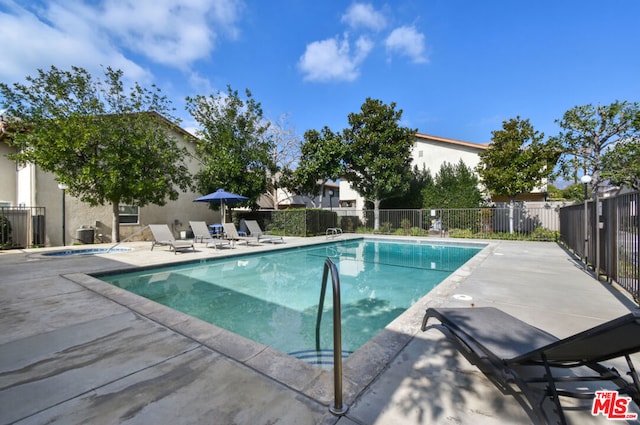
(26, 185)
(429, 152)
(7, 176)
(348, 193)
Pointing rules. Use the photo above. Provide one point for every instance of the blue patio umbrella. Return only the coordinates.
(222, 197)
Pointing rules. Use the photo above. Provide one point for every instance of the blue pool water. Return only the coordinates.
(273, 297)
(88, 251)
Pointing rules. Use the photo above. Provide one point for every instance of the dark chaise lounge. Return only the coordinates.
(509, 343)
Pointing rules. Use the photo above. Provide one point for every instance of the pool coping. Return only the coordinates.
(359, 369)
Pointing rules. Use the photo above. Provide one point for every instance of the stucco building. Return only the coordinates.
(27, 186)
(428, 152)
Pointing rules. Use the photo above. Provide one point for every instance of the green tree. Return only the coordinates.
(553, 192)
(574, 192)
(454, 186)
(621, 165)
(516, 162)
(589, 131)
(320, 161)
(378, 153)
(413, 198)
(108, 144)
(234, 148)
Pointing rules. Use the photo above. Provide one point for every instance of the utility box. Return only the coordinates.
(85, 235)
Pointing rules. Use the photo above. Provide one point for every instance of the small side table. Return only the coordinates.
(216, 230)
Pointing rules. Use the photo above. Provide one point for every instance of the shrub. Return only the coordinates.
(406, 225)
(416, 231)
(461, 233)
(290, 222)
(543, 234)
(349, 223)
(385, 227)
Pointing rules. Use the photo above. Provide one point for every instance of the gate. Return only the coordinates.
(22, 227)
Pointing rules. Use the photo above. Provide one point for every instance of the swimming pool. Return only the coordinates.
(272, 298)
(88, 251)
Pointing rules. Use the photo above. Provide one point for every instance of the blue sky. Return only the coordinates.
(456, 68)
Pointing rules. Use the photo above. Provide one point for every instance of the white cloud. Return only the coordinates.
(407, 41)
(174, 33)
(111, 33)
(199, 83)
(30, 43)
(364, 15)
(332, 59)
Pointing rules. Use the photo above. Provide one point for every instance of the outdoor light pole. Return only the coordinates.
(586, 179)
(63, 187)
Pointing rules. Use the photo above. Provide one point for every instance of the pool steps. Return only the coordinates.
(315, 357)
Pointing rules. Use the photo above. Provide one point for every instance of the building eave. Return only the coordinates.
(451, 141)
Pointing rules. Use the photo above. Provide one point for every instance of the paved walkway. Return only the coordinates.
(76, 351)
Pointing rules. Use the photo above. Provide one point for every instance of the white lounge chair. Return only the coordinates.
(201, 232)
(231, 234)
(162, 236)
(256, 232)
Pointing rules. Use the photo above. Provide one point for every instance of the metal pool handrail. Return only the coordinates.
(337, 407)
(127, 238)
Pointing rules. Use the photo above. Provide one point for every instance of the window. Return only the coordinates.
(419, 154)
(129, 214)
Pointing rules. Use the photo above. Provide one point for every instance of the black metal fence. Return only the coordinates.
(22, 227)
(540, 224)
(614, 250)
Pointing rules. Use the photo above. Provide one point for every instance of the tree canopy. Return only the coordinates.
(234, 149)
(621, 165)
(321, 159)
(517, 160)
(454, 186)
(413, 197)
(108, 144)
(377, 153)
(589, 131)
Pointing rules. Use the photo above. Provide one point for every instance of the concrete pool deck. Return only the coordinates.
(76, 350)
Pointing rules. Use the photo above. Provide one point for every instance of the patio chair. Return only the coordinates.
(162, 236)
(511, 345)
(231, 234)
(256, 232)
(201, 232)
